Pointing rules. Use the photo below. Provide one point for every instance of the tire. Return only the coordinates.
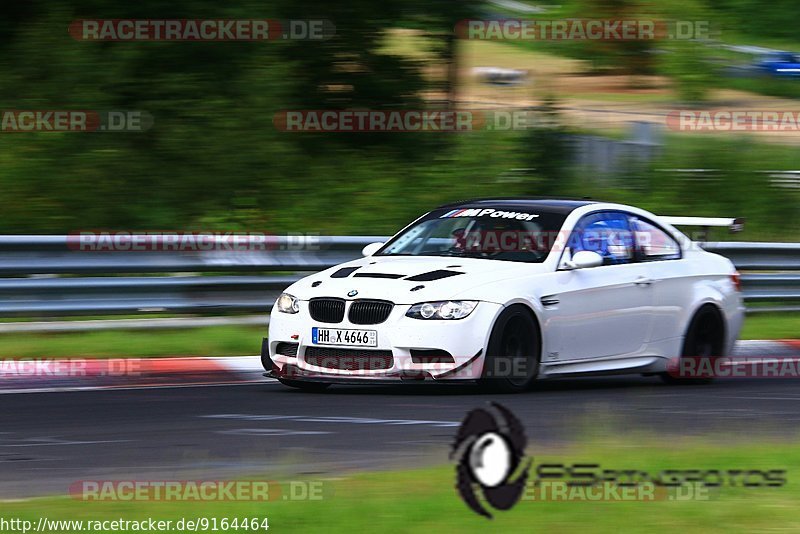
(305, 386)
(705, 338)
(512, 356)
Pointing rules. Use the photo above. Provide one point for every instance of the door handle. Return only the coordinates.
(643, 281)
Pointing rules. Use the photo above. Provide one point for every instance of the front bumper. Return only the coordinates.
(303, 376)
(464, 339)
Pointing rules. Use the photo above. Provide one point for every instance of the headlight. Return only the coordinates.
(287, 303)
(446, 309)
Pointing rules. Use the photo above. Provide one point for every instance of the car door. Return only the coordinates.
(669, 272)
(603, 311)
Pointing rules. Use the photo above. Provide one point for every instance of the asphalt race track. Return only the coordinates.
(51, 440)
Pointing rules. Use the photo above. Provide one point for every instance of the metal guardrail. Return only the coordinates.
(759, 256)
(46, 276)
(43, 276)
(27, 255)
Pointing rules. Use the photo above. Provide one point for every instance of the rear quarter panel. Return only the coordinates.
(687, 284)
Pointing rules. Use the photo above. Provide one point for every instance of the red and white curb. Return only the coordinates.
(787, 348)
(29, 375)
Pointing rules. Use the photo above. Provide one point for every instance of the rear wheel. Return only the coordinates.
(305, 386)
(512, 357)
(705, 338)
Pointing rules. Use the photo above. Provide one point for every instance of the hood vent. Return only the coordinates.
(379, 275)
(433, 275)
(344, 272)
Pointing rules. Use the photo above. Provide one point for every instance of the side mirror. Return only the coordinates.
(583, 259)
(371, 249)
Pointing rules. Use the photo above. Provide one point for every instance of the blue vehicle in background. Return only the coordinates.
(780, 64)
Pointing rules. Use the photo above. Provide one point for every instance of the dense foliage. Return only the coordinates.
(214, 160)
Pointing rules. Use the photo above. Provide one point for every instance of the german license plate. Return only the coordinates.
(338, 336)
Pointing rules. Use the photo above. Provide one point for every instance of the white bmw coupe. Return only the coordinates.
(507, 291)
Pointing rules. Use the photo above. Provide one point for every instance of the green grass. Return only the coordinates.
(425, 500)
(763, 85)
(772, 326)
(210, 341)
(239, 340)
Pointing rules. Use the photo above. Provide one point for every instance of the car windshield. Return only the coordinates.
(523, 235)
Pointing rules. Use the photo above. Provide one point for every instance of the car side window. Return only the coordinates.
(653, 243)
(607, 233)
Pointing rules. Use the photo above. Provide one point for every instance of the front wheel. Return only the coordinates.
(512, 357)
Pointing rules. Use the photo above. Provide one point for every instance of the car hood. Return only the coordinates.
(407, 279)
